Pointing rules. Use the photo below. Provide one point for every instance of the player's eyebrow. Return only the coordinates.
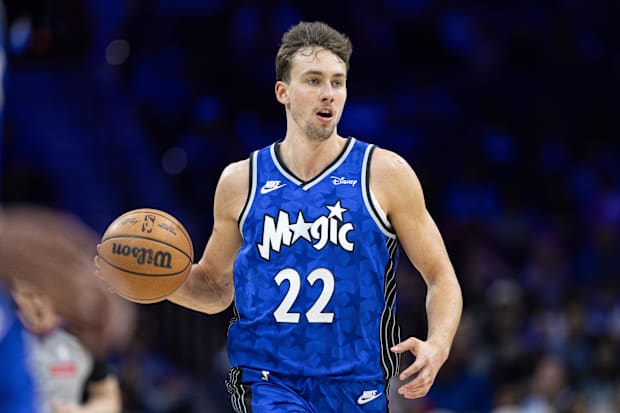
(319, 73)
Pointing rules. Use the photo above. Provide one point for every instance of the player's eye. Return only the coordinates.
(313, 81)
(337, 83)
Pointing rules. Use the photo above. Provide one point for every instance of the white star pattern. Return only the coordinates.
(336, 211)
(301, 229)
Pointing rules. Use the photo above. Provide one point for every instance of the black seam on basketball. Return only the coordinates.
(146, 274)
(150, 239)
(152, 300)
(164, 215)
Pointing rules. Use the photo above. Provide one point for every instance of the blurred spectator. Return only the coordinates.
(64, 371)
(548, 390)
(465, 384)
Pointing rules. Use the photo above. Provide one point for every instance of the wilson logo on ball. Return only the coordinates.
(144, 255)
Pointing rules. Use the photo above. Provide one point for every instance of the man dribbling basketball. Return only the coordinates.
(307, 248)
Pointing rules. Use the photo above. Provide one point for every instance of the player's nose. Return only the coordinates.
(327, 92)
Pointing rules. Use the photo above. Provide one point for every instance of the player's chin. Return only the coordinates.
(320, 137)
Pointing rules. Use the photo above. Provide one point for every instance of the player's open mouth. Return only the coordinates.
(325, 114)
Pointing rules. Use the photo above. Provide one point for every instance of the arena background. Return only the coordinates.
(508, 111)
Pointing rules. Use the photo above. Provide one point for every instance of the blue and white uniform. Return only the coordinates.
(314, 286)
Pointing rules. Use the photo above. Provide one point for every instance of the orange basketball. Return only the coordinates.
(145, 255)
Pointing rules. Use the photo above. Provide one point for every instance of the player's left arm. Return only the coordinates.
(400, 194)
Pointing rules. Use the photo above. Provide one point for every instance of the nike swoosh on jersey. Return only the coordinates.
(266, 190)
(368, 397)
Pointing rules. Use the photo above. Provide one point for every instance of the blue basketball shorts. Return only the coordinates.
(262, 392)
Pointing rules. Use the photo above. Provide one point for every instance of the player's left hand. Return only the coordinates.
(429, 357)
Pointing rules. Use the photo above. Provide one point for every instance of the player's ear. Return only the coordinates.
(281, 90)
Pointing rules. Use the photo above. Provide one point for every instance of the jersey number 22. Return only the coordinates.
(315, 313)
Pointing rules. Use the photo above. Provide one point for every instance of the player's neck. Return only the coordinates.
(306, 158)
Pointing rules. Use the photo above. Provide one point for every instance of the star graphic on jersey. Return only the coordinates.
(301, 229)
(336, 211)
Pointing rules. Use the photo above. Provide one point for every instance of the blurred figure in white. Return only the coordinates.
(549, 392)
(64, 371)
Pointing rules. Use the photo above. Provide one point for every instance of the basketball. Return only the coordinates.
(145, 255)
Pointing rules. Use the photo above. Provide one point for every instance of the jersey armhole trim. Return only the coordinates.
(251, 192)
(372, 205)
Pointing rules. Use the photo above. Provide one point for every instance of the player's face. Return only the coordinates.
(316, 92)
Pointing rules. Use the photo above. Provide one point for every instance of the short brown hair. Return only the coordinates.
(310, 34)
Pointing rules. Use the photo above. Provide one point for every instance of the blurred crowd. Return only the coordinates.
(508, 112)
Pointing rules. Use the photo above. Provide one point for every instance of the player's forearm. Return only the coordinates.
(203, 293)
(444, 305)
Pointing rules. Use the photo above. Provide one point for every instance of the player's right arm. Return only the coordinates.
(209, 286)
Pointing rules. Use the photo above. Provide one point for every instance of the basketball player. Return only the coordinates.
(62, 367)
(305, 241)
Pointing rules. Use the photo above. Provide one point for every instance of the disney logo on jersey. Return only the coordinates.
(271, 186)
(341, 180)
(329, 228)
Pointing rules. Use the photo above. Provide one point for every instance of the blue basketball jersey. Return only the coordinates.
(315, 282)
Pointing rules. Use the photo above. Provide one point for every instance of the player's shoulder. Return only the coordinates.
(236, 173)
(387, 163)
(393, 181)
(233, 187)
